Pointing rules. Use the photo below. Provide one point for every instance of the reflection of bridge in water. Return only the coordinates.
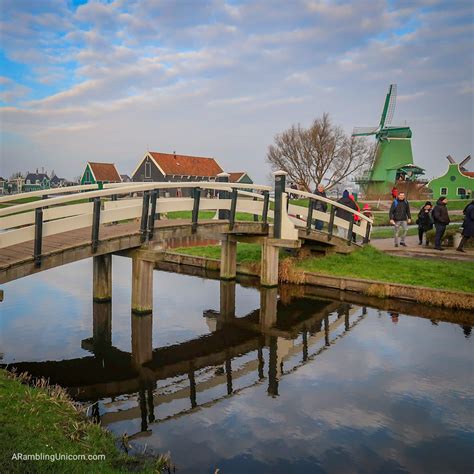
(262, 346)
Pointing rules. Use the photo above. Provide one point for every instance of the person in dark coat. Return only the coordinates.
(343, 214)
(320, 205)
(400, 217)
(467, 226)
(424, 221)
(441, 220)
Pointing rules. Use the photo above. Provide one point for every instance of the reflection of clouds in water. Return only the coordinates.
(378, 416)
(51, 312)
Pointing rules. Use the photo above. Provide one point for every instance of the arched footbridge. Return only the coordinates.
(57, 226)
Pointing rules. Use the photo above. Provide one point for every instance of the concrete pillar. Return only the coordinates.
(102, 325)
(228, 259)
(102, 278)
(227, 302)
(142, 338)
(142, 286)
(268, 307)
(269, 265)
(280, 184)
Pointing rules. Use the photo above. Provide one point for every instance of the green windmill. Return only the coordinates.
(392, 162)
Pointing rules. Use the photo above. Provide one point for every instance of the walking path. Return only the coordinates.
(420, 251)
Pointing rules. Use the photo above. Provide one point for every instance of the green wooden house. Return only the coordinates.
(100, 173)
(456, 183)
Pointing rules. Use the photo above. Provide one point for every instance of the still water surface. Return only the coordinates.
(303, 385)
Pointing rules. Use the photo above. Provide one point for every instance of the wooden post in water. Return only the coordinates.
(142, 338)
(268, 307)
(102, 278)
(101, 326)
(227, 302)
(228, 258)
(269, 265)
(142, 286)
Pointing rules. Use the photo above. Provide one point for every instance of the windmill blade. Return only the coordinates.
(364, 131)
(451, 159)
(386, 105)
(391, 104)
(465, 161)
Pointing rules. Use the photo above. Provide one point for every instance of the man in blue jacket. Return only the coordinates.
(400, 216)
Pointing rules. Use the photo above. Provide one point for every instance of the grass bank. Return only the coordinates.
(367, 263)
(41, 419)
(239, 216)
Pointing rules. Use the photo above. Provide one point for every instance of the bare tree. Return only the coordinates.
(321, 152)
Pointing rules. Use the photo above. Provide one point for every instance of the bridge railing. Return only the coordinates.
(34, 220)
(358, 223)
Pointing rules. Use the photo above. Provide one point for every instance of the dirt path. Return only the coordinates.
(420, 251)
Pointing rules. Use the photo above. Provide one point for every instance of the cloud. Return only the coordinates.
(228, 70)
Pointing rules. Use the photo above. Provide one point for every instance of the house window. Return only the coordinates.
(147, 169)
(88, 176)
(461, 192)
(443, 191)
(28, 181)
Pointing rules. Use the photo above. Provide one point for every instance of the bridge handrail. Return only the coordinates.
(329, 201)
(112, 190)
(47, 192)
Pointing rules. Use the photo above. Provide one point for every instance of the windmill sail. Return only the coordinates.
(465, 162)
(391, 104)
(364, 131)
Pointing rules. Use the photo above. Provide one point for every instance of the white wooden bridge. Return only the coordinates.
(70, 224)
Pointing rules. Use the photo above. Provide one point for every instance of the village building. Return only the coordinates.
(240, 177)
(170, 167)
(36, 181)
(456, 183)
(57, 182)
(125, 178)
(100, 173)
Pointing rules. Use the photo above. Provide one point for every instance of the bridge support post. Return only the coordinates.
(228, 258)
(142, 286)
(102, 278)
(269, 265)
(101, 325)
(142, 338)
(226, 303)
(268, 307)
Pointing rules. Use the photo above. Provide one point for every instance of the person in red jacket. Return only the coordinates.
(394, 192)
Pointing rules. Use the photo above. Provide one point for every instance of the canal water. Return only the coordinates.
(232, 377)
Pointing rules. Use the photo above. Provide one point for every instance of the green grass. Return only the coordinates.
(246, 253)
(370, 263)
(24, 200)
(367, 263)
(41, 420)
(239, 216)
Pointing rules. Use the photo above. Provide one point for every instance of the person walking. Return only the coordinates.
(400, 216)
(424, 221)
(343, 214)
(320, 206)
(441, 220)
(467, 226)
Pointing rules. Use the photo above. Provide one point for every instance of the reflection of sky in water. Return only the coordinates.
(45, 316)
(384, 398)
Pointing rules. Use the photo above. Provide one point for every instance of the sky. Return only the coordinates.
(108, 80)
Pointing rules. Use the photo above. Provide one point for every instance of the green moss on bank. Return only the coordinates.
(43, 420)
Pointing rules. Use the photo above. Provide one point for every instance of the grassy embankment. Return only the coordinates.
(42, 419)
(367, 263)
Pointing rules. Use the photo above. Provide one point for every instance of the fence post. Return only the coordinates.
(310, 216)
(349, 232)
(38, 236)
(266, 203)
(233, 207)
(331, 222)
(144, 221)
(151, 221)
(223, 178)
(95, 224)
(195, 215)
(367, 233)
(255, 216)
(280, 184)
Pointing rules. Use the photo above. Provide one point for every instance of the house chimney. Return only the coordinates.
(36, 170)
(174, 153)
